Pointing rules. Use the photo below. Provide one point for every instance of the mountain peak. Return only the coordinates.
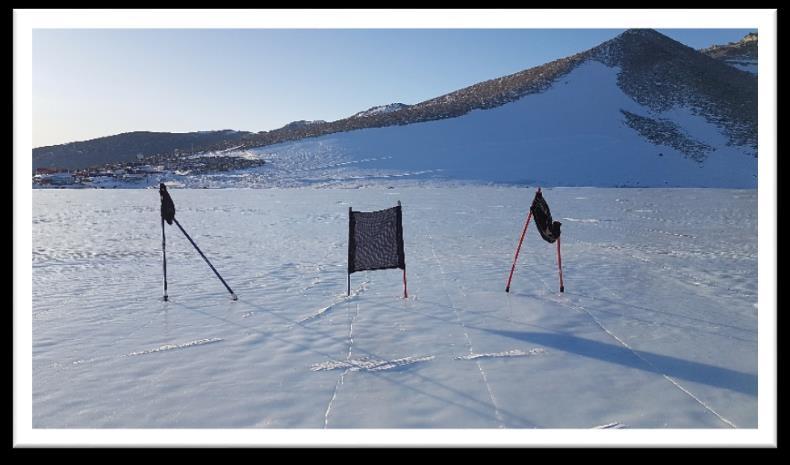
(636, 42)
(642, 33)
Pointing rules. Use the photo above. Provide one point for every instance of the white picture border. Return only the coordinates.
(25, 21)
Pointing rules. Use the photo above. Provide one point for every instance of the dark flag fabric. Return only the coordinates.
(375, 240)
(549, 230)
(168, 207)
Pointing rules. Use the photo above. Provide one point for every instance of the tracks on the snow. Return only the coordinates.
(483, 375)
(343, 374)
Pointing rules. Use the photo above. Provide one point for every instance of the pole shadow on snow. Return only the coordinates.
(737, 381)
(673, 325)
(733, 380)
(664, 312)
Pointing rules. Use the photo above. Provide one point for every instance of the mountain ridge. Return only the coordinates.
(745, 48)
(655, 71)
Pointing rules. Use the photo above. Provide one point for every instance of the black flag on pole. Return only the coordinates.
(375, 242)
(549, 230)
(168, 209)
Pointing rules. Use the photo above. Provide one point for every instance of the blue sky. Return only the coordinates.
(90, 83)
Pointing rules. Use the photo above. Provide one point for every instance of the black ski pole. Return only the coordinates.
(164, 259)
(233, 295)
(168, 211)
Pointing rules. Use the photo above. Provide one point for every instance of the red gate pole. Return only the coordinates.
(529, 217)
(559, 264)
(405, 291)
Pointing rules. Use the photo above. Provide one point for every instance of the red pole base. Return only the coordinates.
(518, 249)
(405, 290)
(559, 265)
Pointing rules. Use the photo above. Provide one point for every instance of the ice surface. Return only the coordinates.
(657, 326)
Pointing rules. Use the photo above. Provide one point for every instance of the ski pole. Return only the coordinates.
(559, 264)
(405, 289)
(512, 268)
(350, 247)
(233, 295)
(164, 259)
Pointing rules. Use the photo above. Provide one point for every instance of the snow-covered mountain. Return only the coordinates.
(638, 110)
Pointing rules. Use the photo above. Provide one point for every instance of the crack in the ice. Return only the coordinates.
(362, 287)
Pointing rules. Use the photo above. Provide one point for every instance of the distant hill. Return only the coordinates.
(125, 147)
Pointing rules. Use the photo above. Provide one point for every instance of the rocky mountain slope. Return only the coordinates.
(656, 72)
(741, 54)
(126, 147)
(661, 73)
(640, 110)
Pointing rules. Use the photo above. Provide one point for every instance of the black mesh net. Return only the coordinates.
(376, 240)
(549, 230)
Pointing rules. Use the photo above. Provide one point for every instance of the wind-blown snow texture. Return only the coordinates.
(574, 134)
(657, 327)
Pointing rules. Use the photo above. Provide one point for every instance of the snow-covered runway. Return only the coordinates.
(657, 327)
